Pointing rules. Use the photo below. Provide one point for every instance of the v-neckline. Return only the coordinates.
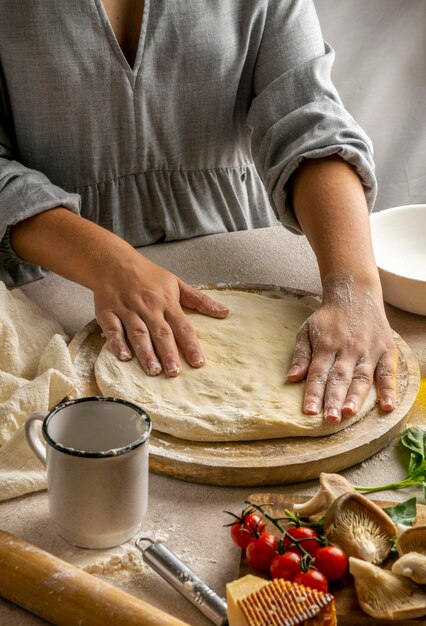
(131, 72)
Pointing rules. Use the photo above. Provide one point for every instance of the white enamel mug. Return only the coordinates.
(96, 458)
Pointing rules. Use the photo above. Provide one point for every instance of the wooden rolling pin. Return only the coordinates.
(65, 595)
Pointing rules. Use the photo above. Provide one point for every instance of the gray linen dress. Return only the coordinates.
(200, 136)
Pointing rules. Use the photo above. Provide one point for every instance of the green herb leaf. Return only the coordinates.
(403, 513)
(415, 462)
(414, 439)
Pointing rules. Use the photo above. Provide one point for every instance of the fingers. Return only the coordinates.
(140, 339)
(340, 351)
(316, 382)
(198, 301)
(342, 386)
(362, 379)
(301, 357)
(185, 337)
(150, 318)
(347, 387)
(386, 379)
(324, 385)
(156, 340)
(114, 334)
(156, 329)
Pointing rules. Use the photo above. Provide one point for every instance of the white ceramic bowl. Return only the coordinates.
(399, 242)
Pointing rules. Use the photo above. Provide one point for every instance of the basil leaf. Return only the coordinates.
(414, 439)
(418, 475)
(415, 462)
(404, 512)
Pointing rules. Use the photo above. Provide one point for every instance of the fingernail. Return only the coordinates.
(125, 355)
(294, 371)
(332, 415)
(349, 406)
(154, 368)
(197, 359)
(312, 407)
(172, 368)
(387, 403)
(219, 308)
(333, 420)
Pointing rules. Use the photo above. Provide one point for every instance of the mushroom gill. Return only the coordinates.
(413, 539)
(385, 595)
(360, 528)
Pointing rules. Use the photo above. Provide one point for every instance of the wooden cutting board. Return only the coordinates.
(268, 462)
(348, 610)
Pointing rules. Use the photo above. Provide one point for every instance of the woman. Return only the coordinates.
(125, 124)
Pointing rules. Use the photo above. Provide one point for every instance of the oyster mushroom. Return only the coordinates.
(331, 487)
(360, 528)
(385, 595)
(413, 539)
(412, 565)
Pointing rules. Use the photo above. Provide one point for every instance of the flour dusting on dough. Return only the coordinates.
(240, 393)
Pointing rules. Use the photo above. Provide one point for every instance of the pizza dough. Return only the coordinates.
(240, 393)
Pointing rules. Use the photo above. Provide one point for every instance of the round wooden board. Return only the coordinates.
(272, 461)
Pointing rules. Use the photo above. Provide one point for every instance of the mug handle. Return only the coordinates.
(31, 436)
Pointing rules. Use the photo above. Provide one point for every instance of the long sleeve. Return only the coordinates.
(296, 111)
(24, 192)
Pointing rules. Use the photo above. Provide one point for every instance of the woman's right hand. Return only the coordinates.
(138, 305)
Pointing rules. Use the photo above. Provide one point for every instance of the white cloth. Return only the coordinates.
(36, 372)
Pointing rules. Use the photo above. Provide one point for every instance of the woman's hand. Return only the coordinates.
(139, 305)
(342, 348)
(348, 342)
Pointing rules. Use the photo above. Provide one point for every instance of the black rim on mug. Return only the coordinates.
(102, 454)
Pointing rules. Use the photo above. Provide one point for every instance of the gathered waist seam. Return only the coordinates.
(161, 170)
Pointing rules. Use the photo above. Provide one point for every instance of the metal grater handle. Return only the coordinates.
(184, 580)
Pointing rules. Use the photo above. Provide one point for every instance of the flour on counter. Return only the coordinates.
(122, 566)
(372, 465)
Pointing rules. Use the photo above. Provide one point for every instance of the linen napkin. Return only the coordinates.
(36, 373)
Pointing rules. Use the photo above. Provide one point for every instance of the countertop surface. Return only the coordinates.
(188, 517)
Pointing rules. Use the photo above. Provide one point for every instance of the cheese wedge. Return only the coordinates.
(236, 591)
(253, 601)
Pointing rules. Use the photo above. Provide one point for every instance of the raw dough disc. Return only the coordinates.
(240, 393)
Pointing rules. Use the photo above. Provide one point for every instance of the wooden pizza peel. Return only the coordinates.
(272, 461)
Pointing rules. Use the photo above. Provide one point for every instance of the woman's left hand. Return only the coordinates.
(341, 349)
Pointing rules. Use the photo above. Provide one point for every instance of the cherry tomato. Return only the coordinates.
(331, 561)
(302, 532)
(261, 551)
(254, 524)
(246, 528)
(285, 566)
(312, 578)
